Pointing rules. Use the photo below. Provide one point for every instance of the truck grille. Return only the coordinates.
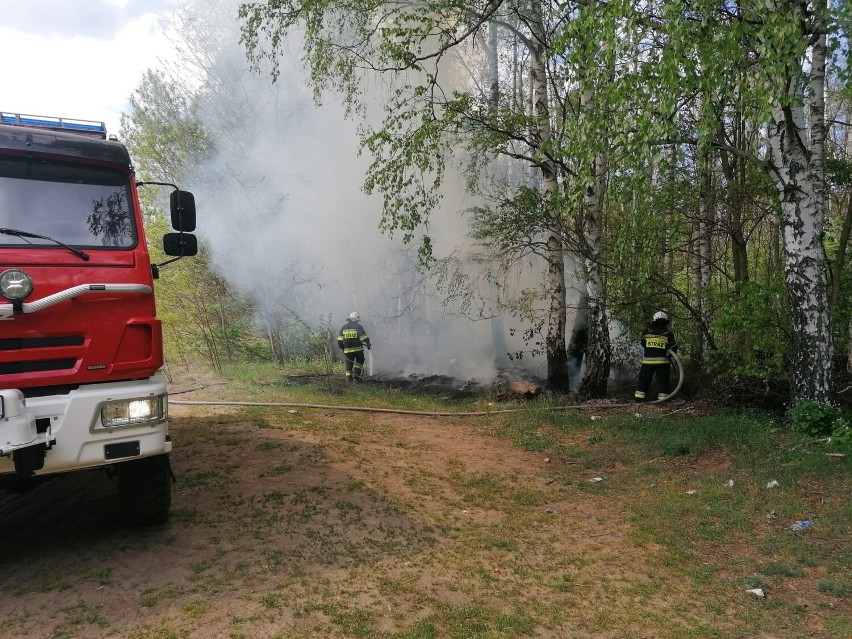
(11, 368)
(19, 343)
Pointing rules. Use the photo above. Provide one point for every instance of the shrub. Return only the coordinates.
(817, 419)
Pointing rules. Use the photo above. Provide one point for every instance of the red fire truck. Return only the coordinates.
(80, 344)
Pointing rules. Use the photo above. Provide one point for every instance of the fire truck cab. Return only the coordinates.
(81, 347)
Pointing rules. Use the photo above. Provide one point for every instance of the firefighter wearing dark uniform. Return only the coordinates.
(352, 339)
(657, 341)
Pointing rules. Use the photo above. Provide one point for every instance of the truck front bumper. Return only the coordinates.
(70, 427)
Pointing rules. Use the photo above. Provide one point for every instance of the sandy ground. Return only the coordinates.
(331, 524)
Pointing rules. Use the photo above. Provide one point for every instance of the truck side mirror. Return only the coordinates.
(180, 244)
(182, 204)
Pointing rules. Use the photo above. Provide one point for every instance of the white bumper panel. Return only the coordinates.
(75, 443)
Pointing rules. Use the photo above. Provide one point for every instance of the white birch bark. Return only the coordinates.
(599, 349)
(557, 371)
(798, 186)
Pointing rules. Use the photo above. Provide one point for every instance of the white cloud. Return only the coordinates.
(87, 74)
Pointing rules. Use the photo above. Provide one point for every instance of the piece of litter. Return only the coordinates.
(771, 515)
(773, 484)
(800, 526)
(835, 454)
(729, 483)
(596, 479)
(595, 418)
(292, 412)
(547, 460)
(549, 511)
(691, 492)
(637, 415)
(757, 592)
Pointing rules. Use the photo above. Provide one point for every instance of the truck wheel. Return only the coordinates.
(144, 490)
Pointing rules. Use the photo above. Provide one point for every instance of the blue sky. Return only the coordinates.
(78, 58)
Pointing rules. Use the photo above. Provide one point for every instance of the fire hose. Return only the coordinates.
(399, 411)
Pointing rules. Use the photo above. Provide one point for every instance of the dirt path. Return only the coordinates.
(313, 524)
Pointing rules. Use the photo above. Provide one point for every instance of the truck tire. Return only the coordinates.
(144, 490)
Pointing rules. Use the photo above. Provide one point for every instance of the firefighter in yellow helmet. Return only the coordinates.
(352, 339)
(657, 340)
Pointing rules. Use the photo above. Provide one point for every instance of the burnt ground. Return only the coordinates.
(297, 523)
(423, 384)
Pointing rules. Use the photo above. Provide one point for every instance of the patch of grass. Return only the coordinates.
(43, 582)
(528, 498)
(676, 519)
(267, 446)
(101, 576)
(152, 596)
(201, 478)
(356, 623)
(478, 487)
(753, 581)
(279, 469)
(702, 573)
(839, 626)
(834, 588)
(195, 608)
(779, 569)
(422, 629)
(81, 614)
(147, 632)
(274, 556)
(501, 544)
(478, 621)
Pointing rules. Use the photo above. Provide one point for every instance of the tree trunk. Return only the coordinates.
(840, 260)
(598, 349)
(498, 332)
(701, 258)
(223, 321)
(805, 265)
(557, 369)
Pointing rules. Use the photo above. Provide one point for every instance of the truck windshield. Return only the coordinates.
(79, 205)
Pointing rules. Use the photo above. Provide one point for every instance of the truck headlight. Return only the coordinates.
(133, 412)
(15, 284)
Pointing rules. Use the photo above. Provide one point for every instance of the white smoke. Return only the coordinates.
(281, 208)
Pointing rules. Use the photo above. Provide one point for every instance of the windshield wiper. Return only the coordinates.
(83, 256)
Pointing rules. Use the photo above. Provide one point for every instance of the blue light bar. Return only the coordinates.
(86, 127)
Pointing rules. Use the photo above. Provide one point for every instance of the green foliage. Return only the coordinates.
(842, 433)
(693, 87)
(750, 330)
(817, 419)
(163, 130)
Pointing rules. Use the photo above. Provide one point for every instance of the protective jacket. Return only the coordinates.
(657, 342)
(352, 338)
